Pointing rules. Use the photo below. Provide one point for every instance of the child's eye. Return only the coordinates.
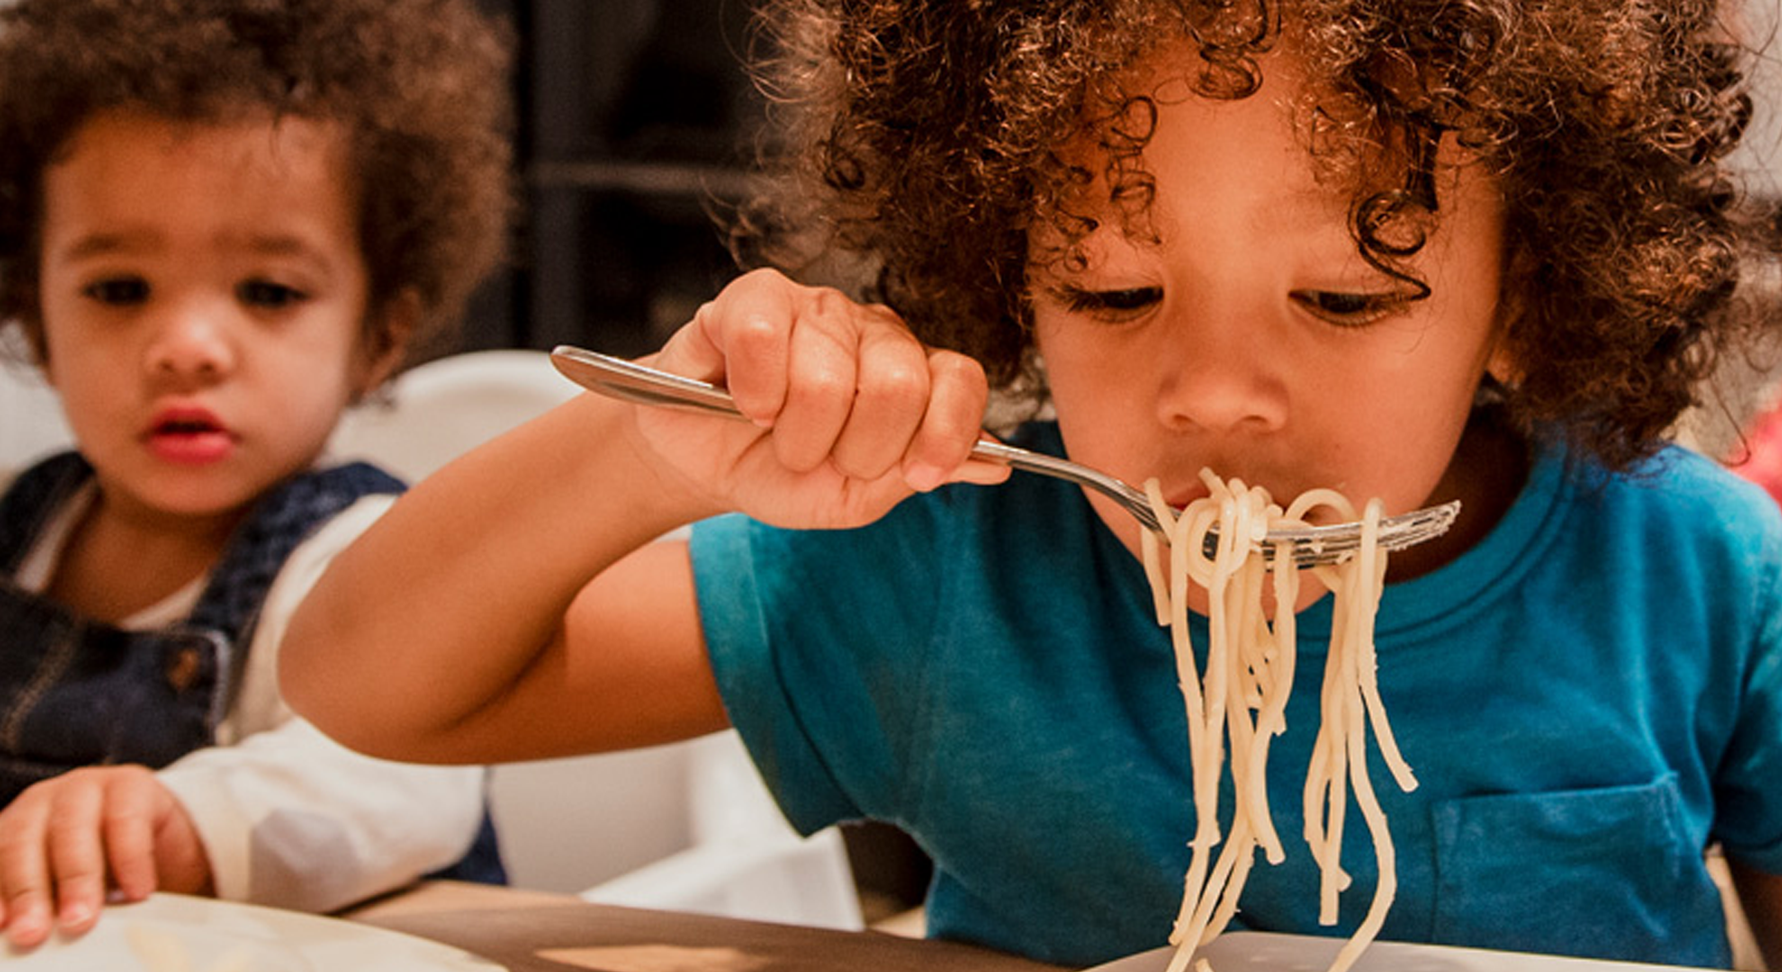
(264, 293)
(117, 291)
(1109, 304)
(1348, 310)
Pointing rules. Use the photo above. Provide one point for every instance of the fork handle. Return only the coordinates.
(643, 385)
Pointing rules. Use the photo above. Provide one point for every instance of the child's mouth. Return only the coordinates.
(189, 436)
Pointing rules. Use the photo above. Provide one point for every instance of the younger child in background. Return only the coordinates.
(1410, 249)
(222, 222)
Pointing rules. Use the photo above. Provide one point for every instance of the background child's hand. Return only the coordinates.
(851, 413)
(65, 840)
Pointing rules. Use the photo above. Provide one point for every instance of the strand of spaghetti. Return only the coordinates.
(1229, 875)
(1356, 651)
(1371, 563)
(1239, 635)
(1228, 904)
(1187, 532)
(1225, 609)
(1325, 795)
(1271, 719)
(1252, 825)
(1312, 499)
(1335, 796)
(1326, 758)
(1206, 746)
(1251, 671)
(1151, 556)
(1250, 814)
(1217, 680)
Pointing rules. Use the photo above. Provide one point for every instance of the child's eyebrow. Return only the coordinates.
(283, 246)
(273, 245)
(104, 244)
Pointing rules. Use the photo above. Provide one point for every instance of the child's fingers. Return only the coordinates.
(76, 850)
(741, 339)
(950, 426)
(890, 396)
(839, 383)
(755, 334)
(822, 375)
(135, 804)
(24, 871)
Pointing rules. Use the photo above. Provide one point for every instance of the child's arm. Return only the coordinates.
(447, 634)
(292, 819)
(318, 826)
(1760, 894)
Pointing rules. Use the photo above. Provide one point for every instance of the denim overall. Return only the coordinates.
(75, 691)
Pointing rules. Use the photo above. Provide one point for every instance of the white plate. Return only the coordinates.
(176, 933)
(1271, 952)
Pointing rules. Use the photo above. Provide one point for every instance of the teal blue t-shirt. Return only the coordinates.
(1589, 698)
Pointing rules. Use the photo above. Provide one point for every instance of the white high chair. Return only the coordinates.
(32, 425)
(686, 827)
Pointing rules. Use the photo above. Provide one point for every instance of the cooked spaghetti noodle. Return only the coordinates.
(1241, 698)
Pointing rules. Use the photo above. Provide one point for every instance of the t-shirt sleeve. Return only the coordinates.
(818, 640)
(1749, 785)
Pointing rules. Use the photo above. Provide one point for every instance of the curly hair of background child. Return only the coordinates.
(221, 223)
(421, 88)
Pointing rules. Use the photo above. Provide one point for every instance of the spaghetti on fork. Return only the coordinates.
(1241, 697)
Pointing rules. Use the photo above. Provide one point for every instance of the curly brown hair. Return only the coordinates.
(420, 87)
(923, 138)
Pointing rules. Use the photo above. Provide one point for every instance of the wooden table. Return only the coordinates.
(531, 931)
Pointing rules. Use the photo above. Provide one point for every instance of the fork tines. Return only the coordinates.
(1332, 544)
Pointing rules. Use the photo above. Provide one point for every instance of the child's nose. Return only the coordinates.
(1220, 376)
(191, 344)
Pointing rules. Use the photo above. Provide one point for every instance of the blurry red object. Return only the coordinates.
(1762, 459)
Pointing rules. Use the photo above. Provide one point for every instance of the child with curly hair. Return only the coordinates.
(1416, 250)
(222, 222)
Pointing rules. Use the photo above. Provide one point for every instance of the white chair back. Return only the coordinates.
(435, 411)
(31, 422)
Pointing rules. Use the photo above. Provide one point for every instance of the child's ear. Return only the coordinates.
(386, 342)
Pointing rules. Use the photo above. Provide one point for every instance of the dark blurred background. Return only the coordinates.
(635, 120)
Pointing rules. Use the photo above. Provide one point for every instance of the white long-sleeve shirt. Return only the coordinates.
(287, 816)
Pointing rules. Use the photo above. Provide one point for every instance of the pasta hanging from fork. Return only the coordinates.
(1242, 696)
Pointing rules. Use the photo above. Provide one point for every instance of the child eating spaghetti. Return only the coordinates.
(1411, 251)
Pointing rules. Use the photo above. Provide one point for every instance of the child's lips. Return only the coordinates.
(189, 436)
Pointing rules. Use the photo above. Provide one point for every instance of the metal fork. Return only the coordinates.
(632, 382)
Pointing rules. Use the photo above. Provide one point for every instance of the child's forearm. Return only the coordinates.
(462, 586)
(446, 633)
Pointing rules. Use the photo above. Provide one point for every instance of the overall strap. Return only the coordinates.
(32, 499)
(279, 523)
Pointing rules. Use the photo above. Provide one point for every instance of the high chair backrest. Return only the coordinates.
(31, 422)
(437, 410)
